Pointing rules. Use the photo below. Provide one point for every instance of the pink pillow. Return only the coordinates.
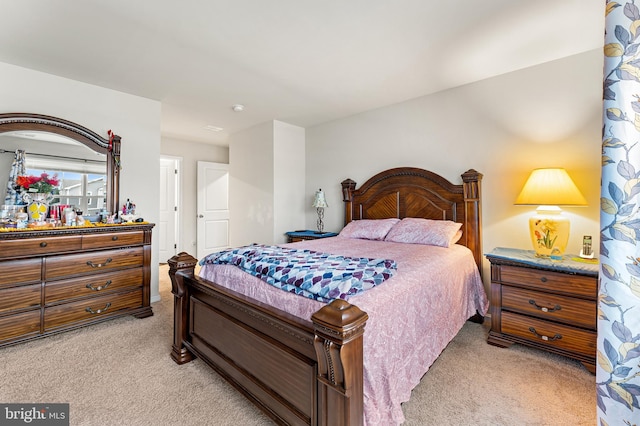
(456, 238)
(368, 229)
(411, 230)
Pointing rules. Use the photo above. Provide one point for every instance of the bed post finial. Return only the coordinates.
(339, 327)
(348, 186)
(472, 195)
(180, 265)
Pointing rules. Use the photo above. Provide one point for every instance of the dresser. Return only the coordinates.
(544, 304)
(60, 279)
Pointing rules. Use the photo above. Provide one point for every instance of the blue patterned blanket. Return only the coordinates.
(316, 275)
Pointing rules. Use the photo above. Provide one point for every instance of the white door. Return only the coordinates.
(213, 207)
(168, 223)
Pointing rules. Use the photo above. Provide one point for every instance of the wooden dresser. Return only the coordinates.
(56, 280)
(544, 304)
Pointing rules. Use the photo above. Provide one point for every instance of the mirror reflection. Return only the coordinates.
(80, 173)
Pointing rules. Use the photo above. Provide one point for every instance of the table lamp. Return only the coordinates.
(548, 189)
(320, 202)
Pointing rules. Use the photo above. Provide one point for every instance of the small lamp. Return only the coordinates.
(549, 188)
(319, 202)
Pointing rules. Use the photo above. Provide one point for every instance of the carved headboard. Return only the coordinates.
(412, 192)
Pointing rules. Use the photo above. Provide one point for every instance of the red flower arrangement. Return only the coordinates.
(42, 184)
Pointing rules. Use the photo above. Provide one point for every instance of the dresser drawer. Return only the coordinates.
(14, 272)
(37, 246)
(20, 325)
(93, 285)
(570, 284)
(553, 307)
(22, 297)
(90, 309)
(94, 262)
(550, 334)
(120, 239)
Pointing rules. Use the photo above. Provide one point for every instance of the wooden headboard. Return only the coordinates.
(412, 192)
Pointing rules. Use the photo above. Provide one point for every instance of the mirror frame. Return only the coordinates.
(10, 122)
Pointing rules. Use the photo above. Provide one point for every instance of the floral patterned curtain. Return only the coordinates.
(17, 168)
(618, 366)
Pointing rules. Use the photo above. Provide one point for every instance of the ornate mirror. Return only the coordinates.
(56, 141)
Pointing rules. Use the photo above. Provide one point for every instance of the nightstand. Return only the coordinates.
(544, 304)
(295, 236)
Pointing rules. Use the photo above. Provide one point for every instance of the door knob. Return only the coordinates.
(200, 216)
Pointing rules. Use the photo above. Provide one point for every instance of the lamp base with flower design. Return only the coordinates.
(549, 232)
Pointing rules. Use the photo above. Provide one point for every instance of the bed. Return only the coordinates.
(308, 366)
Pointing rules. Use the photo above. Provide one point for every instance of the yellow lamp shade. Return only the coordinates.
(550, 187)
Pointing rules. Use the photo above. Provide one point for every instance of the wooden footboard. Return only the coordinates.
(297, 372)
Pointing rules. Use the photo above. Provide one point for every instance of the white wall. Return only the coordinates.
(191, 153)
(266, 183)
(251, 186)
(289, 190)
(544, 116)
(135, 119)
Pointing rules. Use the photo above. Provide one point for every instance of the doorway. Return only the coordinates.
(170, 168)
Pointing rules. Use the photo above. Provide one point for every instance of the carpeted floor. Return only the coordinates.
(120, 373)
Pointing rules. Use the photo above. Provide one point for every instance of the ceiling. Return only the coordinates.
(298, 61)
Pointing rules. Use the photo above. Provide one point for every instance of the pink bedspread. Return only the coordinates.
(412, 316)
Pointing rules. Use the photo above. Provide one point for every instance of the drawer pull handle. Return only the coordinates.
(99, 265)
(100, 287)
(114, 238)
(543, 279)
(99, 311)
(545, 338)
(544, 309)
(43, 244)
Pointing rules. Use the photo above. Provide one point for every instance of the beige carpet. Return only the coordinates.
(120, 373)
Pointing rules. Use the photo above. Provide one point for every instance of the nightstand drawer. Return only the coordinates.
(546, 333)
(570, 284)
(553, 307)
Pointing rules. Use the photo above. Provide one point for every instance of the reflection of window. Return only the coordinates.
(84, 190)
(83, 182)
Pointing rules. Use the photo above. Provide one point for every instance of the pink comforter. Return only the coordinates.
(412, 316)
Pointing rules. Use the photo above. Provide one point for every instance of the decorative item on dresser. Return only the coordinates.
(56, 280)
(544, 304)
(295, 236)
